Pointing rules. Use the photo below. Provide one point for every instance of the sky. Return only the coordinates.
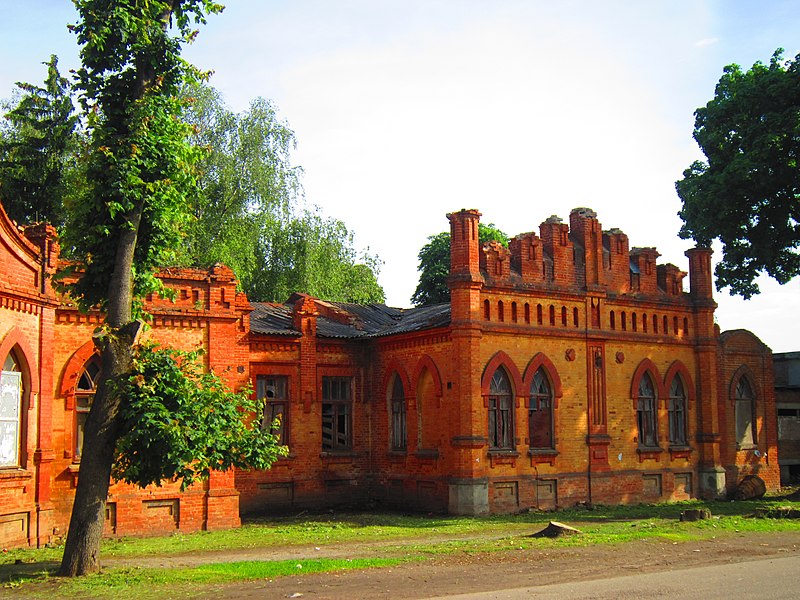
(405, 110)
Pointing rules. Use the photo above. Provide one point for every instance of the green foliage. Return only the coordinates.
(246, 212)
(245, 177)
(38, 150)
(140, 168)
(747, 194)
(315, 255)
(179, 422)
(434, 264)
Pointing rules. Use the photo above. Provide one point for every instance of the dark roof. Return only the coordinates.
(352, 321)
(275, 319)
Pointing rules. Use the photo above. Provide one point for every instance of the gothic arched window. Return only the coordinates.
(10, 412)
(677, 413)
(646, 418)
(540, 412)
(501, 415)
(744, 407)
(398, 406)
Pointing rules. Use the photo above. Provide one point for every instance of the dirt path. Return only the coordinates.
(465, 572)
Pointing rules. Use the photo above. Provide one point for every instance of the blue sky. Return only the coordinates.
(405, 110)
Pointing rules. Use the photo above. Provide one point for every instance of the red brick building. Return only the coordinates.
(567, 368)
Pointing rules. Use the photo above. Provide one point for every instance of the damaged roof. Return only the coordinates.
(350, 321)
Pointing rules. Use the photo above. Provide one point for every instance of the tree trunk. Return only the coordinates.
(82, 548)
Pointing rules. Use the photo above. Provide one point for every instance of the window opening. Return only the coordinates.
(84, 398)
(540, 413)
(273, 390)
(677, 413)
(646, 413)
(337, 403)
(399, 433)
(500, 413)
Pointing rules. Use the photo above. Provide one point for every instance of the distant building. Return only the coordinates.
(787, 399)
(567, 368)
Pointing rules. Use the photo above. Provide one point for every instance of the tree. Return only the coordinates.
(315, 255)
(140, 173)
(247, 217)
(38, 149)
(747, 194)
(434, 264)
(174, 410)
(246, 181)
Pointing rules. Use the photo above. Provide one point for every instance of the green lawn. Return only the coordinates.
(402, 538)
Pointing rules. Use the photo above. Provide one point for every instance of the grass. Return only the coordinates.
(401, 537)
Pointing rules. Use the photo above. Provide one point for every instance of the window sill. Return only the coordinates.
(543, 455)
(649, 453)
(499, 456)
(339, 454)
(676, 452)
(14, 474)
(427, 453)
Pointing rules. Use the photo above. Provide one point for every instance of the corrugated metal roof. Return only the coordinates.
(355, 320)
(273, 319)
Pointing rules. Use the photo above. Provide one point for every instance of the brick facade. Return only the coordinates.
(568, 367)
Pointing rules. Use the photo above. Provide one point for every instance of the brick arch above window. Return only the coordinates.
(541, 361)
(396, 368)
(647, 366)
(426, 363)
(72, 371)
(501, 359)
(678, 368)
(747, 373)
(16, 339)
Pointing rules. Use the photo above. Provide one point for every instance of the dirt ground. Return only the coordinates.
(467, 572)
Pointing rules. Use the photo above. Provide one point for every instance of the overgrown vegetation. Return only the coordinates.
(389, 539)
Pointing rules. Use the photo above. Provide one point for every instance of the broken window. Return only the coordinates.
(337, 406)
(744, 402)
(84, 397)
(273, 390)
(398, 400)
(646, 413)
(501, 421)
(677, 413)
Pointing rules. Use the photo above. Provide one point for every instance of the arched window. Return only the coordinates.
(10, 412)
(501, 415)
(646, 413)
(745, 413)
(677, 413)
(84, 396)
(398, 401)
(501, 315)
(540, 413)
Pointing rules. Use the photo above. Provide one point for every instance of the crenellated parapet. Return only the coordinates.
(578, 257)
